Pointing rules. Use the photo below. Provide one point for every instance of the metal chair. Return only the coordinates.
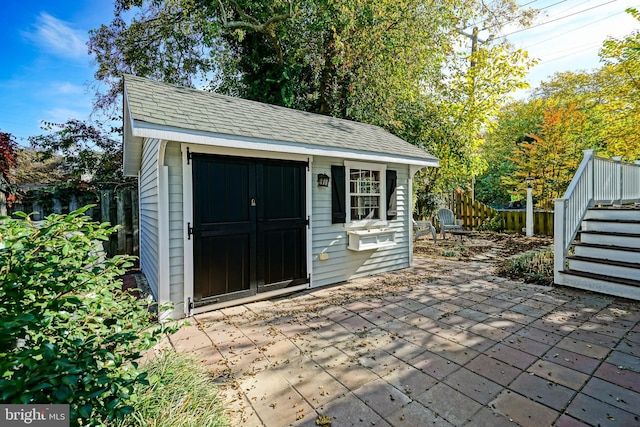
(448, 221)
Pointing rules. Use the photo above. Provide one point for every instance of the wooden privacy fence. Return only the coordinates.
(473, 213)
(118, 207)
(516, 221)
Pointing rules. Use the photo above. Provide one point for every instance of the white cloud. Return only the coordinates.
(58, 37)
(61, 115)
(66, 88)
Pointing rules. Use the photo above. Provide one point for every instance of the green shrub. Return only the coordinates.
(68, 333)
(494, 224)
(449, 253)
(532, 267)
(180, 394)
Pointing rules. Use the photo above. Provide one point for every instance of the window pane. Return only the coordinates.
(364, 188)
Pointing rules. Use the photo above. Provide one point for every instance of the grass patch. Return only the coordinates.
(532, 267)
(449, 253)
(180, 394)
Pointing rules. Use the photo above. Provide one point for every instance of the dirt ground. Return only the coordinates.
(489, 247)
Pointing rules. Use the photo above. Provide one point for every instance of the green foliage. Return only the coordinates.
(543, 137)
(68, 333)
(550, 157)
(90, 152)
(32, 168)
(449, 253)
(180, 393)
(624, 51)
(494, 224)
(426, 203)
(532, 267)
(404, 65)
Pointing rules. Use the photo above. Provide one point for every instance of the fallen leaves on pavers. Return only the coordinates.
(323, 421)
(488, 247)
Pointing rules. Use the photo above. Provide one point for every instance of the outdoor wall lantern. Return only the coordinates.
(323, 180)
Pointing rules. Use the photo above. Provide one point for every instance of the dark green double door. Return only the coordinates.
(249, 226)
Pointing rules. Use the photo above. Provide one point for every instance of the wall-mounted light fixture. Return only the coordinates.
(323, 180)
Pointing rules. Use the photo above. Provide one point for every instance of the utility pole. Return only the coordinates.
(475, 40)
(474, 45)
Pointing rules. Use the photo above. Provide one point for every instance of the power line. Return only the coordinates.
(478, 23)
(556, 19)
(575, 6)
(574, 29)
(584, 49)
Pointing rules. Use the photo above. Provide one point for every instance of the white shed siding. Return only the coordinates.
(344, 264)
(149, 224)
(173, 160)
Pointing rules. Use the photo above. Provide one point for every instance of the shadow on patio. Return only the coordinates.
(445, 343)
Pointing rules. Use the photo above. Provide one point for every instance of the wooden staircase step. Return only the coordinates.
(625, 264)
(614, 221)
(602, 277)
(609, 233)
(608, 247)
(616, 208)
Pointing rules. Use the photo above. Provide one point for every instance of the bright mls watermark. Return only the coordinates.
(34, 415)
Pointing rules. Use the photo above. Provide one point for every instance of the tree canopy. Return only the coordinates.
(89, 152)
(409, 66)
(543, 136)
(8, 160)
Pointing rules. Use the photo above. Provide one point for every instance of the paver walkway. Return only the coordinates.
(442, 344)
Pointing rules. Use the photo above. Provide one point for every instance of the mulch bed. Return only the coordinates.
(498, 246)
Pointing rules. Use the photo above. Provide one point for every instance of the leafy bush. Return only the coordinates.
(532, 267)
(68, 333)
(449, 253)
(494, 224)
(180, 394)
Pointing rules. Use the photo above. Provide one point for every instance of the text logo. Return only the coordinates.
(34, 415)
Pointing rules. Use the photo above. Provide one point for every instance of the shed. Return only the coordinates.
(240, 200)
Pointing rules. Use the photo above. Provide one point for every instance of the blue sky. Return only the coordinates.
(567, 35)
(45, 66)
(46, 71)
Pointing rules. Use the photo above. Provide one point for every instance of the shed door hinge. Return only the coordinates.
(189, 231)
(306, 222)
(189, 155)
(190, 304)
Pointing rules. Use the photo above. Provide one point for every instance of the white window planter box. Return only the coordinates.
(364, 240)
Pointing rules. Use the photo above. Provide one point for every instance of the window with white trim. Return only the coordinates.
(365, 189)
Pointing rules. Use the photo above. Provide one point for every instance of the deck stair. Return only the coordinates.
(605, 257)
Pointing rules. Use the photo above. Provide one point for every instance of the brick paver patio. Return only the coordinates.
(443, 344)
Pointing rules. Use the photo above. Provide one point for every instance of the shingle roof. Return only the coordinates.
(178, 107)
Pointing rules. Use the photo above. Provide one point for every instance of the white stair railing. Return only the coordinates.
(597, 181)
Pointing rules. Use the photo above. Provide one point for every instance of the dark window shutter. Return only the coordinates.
(338, 206)
(392, 197)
